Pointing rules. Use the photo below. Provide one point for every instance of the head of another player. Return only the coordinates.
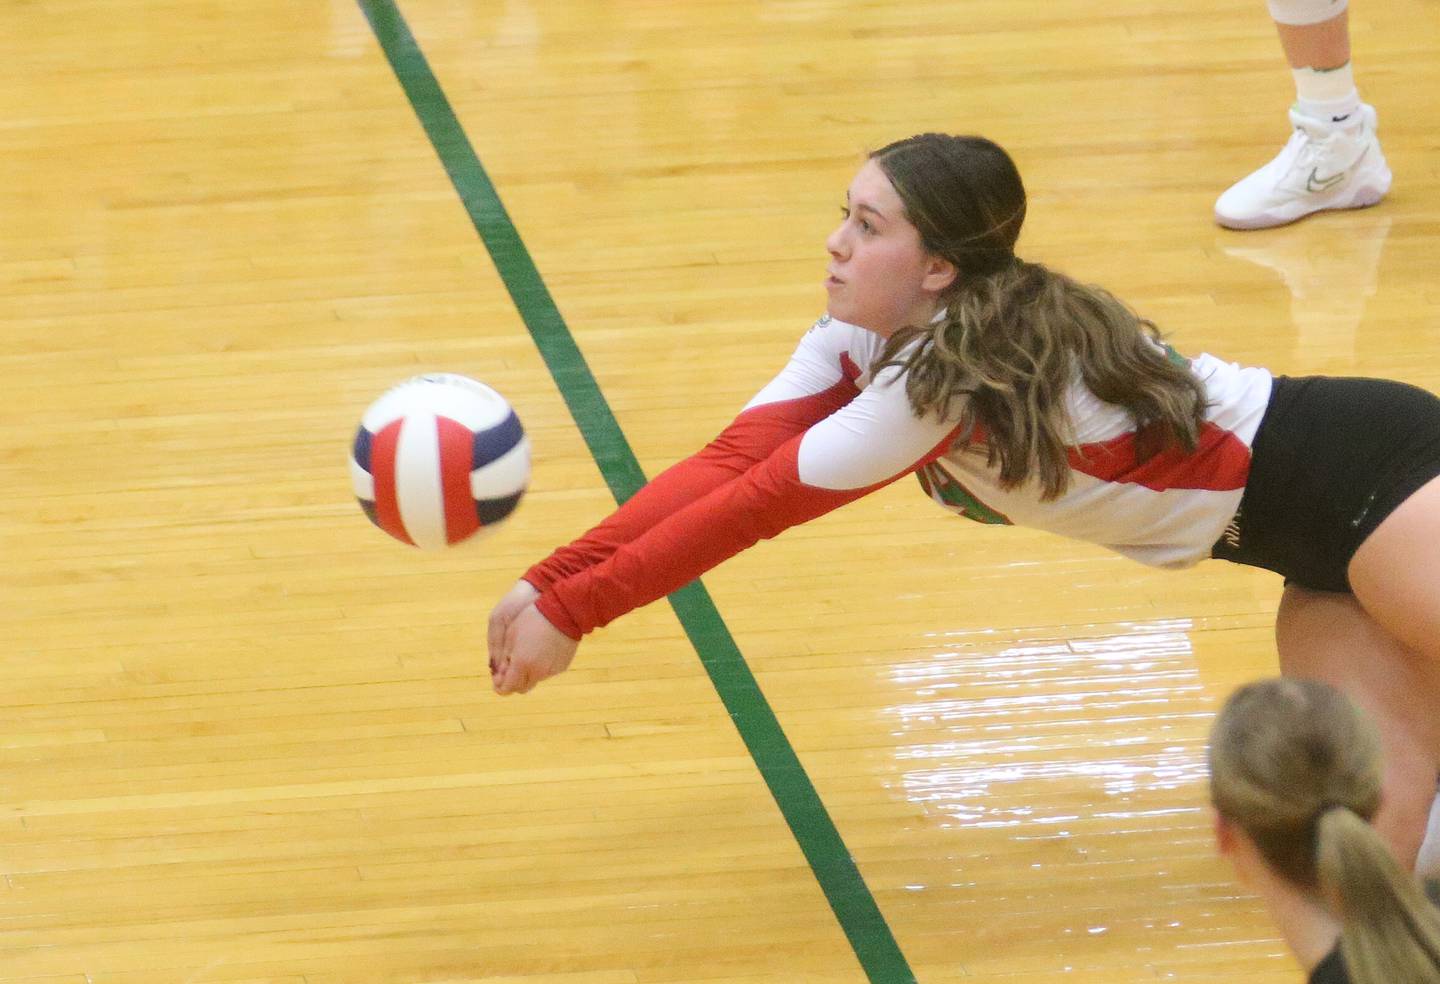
(1295, 776)
(926, 258)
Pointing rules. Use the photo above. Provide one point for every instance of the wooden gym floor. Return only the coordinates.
(246, 738)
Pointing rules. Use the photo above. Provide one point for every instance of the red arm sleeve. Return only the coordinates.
(769, 498)
(751, 438)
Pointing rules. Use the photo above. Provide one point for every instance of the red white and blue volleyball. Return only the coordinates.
(439, 459)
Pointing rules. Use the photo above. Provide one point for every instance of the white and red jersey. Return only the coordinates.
(826, 431)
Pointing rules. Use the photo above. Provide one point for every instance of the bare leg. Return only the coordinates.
(1396, 572)
(1321, 46)
(1396, 577)
(1327, 636)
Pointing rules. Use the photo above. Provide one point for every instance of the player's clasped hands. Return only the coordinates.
(524, 647)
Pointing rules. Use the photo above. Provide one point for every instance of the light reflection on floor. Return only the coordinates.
(1063, 777)
(1015, 716)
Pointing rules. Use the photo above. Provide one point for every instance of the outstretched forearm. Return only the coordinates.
(751, 438)
(812, 474)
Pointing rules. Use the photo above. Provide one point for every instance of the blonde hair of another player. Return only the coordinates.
(1297, 767)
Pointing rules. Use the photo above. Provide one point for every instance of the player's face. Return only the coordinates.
(880, 276)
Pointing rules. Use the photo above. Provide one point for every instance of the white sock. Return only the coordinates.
(1327, 94)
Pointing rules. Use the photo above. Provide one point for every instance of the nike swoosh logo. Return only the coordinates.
(1317, 183)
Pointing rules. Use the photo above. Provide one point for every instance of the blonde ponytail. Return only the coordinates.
(1297, 767)
(1390, 934)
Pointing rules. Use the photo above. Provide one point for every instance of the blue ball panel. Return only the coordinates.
(497, 441)
(362, 450)
(493, 510)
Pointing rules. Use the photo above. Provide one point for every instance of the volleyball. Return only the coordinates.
(439, 459)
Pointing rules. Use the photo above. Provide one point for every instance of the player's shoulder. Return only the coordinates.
(853, 349)
(861, 343)
(827, 325)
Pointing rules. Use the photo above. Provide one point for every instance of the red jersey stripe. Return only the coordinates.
(1221, 462)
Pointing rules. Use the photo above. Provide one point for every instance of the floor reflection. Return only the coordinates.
(1330, 270)
(1023, 734)
(1058, 788)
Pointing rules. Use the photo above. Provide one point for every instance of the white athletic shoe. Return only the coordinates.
(1324, 165)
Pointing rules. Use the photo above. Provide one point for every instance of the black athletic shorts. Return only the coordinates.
(1332, 458)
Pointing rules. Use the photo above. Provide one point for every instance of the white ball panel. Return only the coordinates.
(460, 398)
(418, 491)
(504, 476)
(361, 481)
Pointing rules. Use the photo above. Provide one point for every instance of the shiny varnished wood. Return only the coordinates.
(246, 738)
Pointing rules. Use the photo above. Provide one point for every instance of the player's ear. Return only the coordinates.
(940, 273)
